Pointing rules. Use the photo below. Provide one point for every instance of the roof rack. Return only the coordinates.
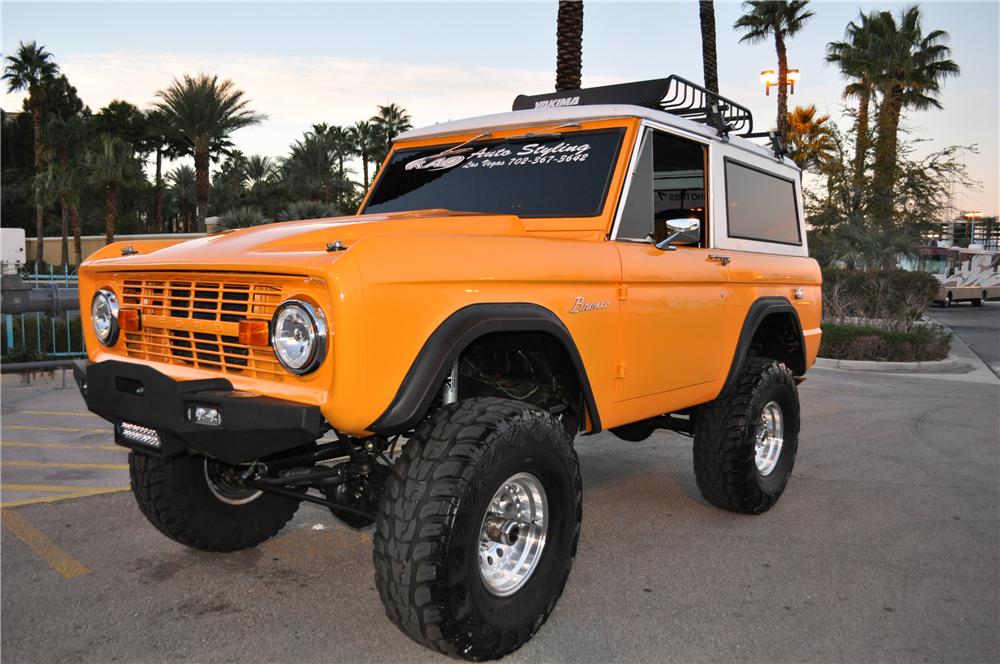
(674, 94)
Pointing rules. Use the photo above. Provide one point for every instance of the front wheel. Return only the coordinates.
(745, 441)
(478, 527)
(200, 503)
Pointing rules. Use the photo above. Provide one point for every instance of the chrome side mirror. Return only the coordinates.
(683, 231)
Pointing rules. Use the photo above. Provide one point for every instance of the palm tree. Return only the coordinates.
(390, 121)
(859, 63)
(204, 111)
(61, 181)
(569, 45)
(364, 136)
(260, 170)
(912, 67)
(310, 170)
(112, 166)
(810, 138)
(709, 60)
(184, 191)
(779, 20)
(30, 70)
(342, 144)
(161, 141)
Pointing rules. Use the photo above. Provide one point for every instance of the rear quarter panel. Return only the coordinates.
(755, 275)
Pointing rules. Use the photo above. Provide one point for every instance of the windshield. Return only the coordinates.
(548, 175)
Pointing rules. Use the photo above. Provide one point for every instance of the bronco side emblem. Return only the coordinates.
(580, 305)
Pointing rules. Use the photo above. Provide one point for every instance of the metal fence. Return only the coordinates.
(37, 336)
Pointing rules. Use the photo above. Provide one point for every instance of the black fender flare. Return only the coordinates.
(759, 310)
(435, 359)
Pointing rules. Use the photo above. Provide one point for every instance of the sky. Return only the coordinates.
(304, 63)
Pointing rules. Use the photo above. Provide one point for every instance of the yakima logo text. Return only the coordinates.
(552, 103)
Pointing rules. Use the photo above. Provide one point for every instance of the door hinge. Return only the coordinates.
(621, 370)
(622, 292)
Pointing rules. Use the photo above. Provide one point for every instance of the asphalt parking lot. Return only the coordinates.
(885, 547)
(979, 327)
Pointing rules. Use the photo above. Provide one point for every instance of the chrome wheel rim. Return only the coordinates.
(225, 490)
(769, 437)
(512, 536)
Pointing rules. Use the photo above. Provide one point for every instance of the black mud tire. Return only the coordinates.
(176, 498)
(724, 439)
(430, 516)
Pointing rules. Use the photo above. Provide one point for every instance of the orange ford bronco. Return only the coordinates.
(612, 258)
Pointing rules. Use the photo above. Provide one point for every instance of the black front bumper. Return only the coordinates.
(253, 427)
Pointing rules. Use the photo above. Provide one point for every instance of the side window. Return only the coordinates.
(761, 206)
(668, 183)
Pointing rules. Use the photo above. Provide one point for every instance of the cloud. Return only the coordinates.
(296, 92)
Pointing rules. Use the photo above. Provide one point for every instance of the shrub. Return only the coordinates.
(242, 217)
(885, 299)
(308, 210)
(861, 342)
(42, 335)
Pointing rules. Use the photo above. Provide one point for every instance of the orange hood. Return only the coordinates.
(297, 242)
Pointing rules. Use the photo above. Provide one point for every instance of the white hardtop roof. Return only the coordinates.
(545, 116)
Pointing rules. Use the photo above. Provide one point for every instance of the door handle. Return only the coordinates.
(722, 260)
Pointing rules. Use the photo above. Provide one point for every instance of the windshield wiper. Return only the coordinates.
(455, 149)
(552, 133)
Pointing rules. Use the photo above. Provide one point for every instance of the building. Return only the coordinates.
(972, 228)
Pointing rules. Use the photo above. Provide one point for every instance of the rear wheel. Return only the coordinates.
(746, 440)
(200, 503)
(478, 527)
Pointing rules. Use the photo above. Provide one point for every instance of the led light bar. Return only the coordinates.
(139, 434)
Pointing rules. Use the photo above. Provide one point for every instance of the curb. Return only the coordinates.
(952, 364)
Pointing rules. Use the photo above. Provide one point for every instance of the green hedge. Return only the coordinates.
(860, 342)
(885, 299)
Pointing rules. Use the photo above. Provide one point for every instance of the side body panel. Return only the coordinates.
(412, 284)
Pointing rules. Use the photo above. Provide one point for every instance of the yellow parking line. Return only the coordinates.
(30, 427)
(61, 446)
(58, 488)
(43, 547)
(96, 491)
(54, 464)
(58, 413)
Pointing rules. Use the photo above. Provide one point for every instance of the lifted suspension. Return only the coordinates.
(351, 488)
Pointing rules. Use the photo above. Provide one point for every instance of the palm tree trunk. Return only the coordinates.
(364, 166)
(569, 45)
(64, 210)
(202, 186)
(77, 243)
(779, 46)
(860, 148)
(36, 119)
(885, 156)
(158, 193)
(110, 211)
(709, 60)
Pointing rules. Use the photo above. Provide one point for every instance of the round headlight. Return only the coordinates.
(298, 336)
(104, 317)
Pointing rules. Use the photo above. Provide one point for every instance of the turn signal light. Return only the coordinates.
(254, 333)
(128, 320)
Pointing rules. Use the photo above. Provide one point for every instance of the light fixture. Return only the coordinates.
(769, 78)
(298, 336)
(104, 316)
(206, 415)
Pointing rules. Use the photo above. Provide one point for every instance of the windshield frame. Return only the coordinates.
(523, 133)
